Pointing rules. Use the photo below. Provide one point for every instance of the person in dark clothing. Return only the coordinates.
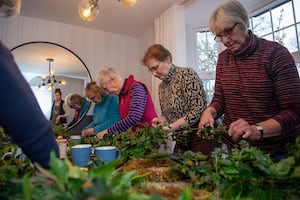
(59, 109)
(21, 116)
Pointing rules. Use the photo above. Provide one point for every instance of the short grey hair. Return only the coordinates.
(230, 12)
(10, 7)
(106, 74)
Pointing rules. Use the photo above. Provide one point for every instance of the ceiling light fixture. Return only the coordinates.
(49, 81)
(127, 3)
(88, 9)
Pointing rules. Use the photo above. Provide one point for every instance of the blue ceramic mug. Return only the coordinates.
(76, 138)
(81, 154)
(107, 153)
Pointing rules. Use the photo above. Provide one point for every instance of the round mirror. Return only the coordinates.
(48, 66)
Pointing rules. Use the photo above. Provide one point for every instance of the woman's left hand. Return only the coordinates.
(57, 119)
(101, 134)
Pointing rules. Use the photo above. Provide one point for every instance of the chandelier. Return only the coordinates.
(89, 9)
(50, 80)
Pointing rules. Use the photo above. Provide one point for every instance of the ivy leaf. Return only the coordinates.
(27, 188)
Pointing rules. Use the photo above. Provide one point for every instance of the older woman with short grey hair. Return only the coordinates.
(257, 85)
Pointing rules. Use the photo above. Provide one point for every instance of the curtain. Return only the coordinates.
(169, 30)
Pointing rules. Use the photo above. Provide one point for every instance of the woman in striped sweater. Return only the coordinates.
(135, 103)
(257, 85)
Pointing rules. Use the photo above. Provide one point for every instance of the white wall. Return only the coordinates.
(96, 48)
(146, 40)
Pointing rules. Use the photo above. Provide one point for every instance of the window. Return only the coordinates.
(44, 98)
(279, 23)
(207, 53)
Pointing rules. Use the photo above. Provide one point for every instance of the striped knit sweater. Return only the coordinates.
(259, 83)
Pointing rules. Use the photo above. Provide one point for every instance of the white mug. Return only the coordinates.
(62, 145)
(17, 154)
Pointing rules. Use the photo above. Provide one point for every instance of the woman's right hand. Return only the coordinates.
(87, 132)
(207, 118)
(158, 121)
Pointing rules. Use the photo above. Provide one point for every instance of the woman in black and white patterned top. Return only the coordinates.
(181, 95)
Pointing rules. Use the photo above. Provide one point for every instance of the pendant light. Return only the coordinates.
(127, 3)
(88, 9)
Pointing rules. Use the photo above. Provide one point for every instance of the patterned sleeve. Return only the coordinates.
(138, 99)
(196, 97)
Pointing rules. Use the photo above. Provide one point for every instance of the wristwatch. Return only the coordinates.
(261, 130)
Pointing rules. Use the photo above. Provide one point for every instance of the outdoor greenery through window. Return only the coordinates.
(279, 23)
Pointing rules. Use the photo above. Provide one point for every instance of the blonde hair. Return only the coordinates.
(228, 13)
(76, 98)
(105, 75)
(92, 86)
(10, 7)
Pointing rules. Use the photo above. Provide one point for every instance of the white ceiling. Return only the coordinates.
(114, 17)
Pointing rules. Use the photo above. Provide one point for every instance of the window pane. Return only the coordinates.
(298, 28)
(207, 51)
(297, 11)
(44, 99)
(268, 37)
(209, 87)
(282, 16)
(290, 40)
(262, 24)
(287, 37)
(298, 67)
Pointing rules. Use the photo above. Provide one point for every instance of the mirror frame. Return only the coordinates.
(67, 49)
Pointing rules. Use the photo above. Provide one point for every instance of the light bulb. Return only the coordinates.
(88, 9)
(127, 3)
(62, 82)
(50, 88)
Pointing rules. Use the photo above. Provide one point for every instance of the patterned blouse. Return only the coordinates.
(181, 94)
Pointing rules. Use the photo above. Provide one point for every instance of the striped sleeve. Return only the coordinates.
(138, 99)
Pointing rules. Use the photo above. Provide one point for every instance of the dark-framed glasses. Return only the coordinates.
(227, 32)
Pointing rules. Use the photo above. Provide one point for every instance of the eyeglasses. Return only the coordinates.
(154, 68)
(227, 32)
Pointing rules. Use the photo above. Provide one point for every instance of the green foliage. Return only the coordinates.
(144, 142)
(209, 132)
(61, 130)
(11, 167)
(245, 173)
(66, 181)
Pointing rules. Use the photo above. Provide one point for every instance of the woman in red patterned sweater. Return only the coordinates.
(257, 85)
